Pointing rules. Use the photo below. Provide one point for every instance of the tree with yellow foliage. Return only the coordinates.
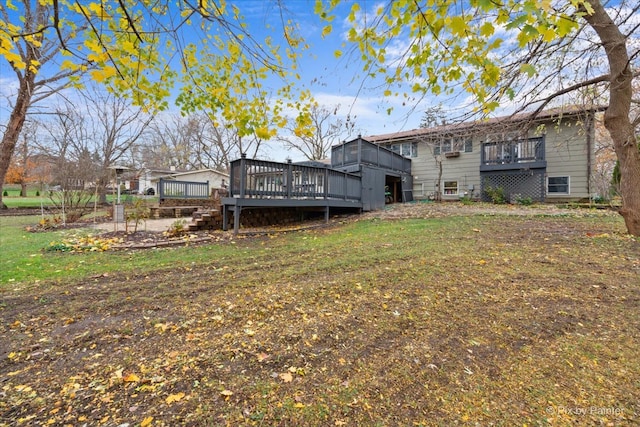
(523, 53)
(142, 50)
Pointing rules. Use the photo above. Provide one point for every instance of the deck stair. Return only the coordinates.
(206, 219)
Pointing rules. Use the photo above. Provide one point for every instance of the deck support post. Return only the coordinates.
(225, 217)
(236, 220)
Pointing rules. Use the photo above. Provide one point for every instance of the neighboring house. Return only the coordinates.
(215, 178)
(147, 180)
(549, 158)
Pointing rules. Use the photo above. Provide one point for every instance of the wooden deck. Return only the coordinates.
(257, 184)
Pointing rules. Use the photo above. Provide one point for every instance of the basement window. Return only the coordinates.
(558, 185)
(451, 187)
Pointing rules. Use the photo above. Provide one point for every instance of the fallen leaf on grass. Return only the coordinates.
(131, 378)
(162, 326)
(286, 377)
(174, 398)
(146, 422)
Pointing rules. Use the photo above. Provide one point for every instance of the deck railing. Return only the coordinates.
(171, 189)
(251, 178)
(513, 152)
(361, 151)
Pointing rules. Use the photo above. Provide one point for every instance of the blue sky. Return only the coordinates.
(338, 82)
(334, 82)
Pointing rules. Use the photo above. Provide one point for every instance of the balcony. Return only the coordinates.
(360, 151)
(520, 154)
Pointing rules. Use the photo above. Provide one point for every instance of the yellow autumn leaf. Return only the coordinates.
(146, 422)
(131, 378)
(102, 75)
(286, 377)
(263, 133)
(15, 60)
(162, 326)
(326, 31)
(174, 398)
(95, 8)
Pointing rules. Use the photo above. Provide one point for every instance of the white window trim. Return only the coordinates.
(413, 149)
(444, 189)
(555, 193)
(457, 144)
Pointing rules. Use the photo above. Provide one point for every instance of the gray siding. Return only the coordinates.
(568, 155)
(464, 169)
(566, 152)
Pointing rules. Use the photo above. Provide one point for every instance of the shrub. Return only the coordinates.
(600, 200)
(177, 228)
(497, 195)
(5, 193)
(74, 203)
(138, 213)
(524, 201)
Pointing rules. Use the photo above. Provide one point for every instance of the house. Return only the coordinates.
(547, 158)
(214, 178)
(146, 180)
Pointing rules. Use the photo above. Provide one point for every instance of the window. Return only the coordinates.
(406, 149)
(451, 187)
(449, 145)
(558, 185)
(446, 146)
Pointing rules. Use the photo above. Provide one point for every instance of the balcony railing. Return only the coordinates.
(251, 178)
(516, 154)
(361, 151)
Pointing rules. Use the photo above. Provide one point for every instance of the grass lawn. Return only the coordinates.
(469, 320)
(36, 198)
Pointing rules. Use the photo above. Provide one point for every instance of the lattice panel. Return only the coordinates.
(515, 184)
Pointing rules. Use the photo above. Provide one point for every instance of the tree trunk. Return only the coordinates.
(616, 118)
(438, 196)
(14, 127)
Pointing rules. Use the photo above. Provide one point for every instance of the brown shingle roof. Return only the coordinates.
(463, 128)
